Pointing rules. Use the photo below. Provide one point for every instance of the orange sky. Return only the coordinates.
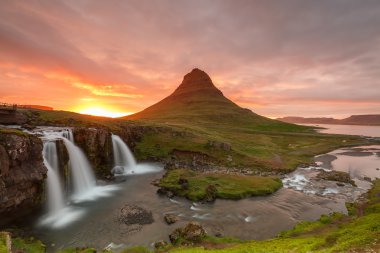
(277, 58)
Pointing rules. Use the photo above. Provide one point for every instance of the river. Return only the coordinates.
(302, 198)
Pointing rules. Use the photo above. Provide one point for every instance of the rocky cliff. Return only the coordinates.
(22, 173)
(96, 142)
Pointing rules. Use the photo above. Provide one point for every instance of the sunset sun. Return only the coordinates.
(102, 111)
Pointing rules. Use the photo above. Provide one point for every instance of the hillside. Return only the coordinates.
(370, 120)
(198, 101)
(212, 121)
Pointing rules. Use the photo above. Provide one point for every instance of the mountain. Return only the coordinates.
(371, 119)
(197, 101)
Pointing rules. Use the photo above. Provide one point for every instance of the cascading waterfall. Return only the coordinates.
(55, 196)
(82, 176)
(123, 158)
(61, 214)
(68, 134)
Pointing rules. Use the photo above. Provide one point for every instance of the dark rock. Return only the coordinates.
(211, 193)
(340, 184)
(97, 145)
(171, 218)
(132, 214)
(117, 170)
(164, 191)
(218, 234)
(219, 145)
(175, 235)
(160, 244)
(193, 232)
(367, 179)
(184, 183)
(28, 127)
(377, 169)
(338, 176)
(22, 175)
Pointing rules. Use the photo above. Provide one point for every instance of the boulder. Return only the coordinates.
(160, 244)
(133, 214)
(338, 176)
(211, 193)
(171, 218)
(220, 145)
(192, 233)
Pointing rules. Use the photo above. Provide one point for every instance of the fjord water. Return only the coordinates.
(371, 131)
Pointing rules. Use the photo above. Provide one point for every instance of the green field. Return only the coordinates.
(201, 186)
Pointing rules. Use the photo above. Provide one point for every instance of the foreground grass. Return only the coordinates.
(199, 186)
(334, 233)
(3, 242)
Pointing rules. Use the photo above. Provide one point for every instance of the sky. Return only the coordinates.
(277, 58)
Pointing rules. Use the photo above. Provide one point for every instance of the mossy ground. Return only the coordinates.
(227, 186)
(3, 242)
(28, 245)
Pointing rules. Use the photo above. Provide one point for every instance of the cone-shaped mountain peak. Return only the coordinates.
(197, 100)
(196, 81)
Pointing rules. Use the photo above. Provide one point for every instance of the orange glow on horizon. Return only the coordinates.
(101, 111)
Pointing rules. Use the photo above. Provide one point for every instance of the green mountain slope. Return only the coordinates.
(199, 108)
(198, 102)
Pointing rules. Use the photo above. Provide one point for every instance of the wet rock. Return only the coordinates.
(218, 234)
(338, 176)
(133, 214)
(193, 232)
(184, 183)
(368, 179)
(211, 193)
(97, 145)
(22, 174)
(160, 244)
(171, 218)
(164, 191)
(117, 170)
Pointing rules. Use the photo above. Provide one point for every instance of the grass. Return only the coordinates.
(226, 186)
(12, 131)
(334, 233)
(78, 250)
(28, 245)
(136, 249)
(3, 243)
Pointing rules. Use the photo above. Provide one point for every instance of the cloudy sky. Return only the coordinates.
(277, 58)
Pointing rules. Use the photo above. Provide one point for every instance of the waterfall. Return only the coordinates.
(54, 187)
(60, 214)
(82, 176)
(68, 134)
(123, 157)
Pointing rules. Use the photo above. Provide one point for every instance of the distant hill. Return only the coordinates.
(38, 107)
(197, 101)
(371, 119)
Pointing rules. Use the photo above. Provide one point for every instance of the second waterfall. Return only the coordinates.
(124, 160)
